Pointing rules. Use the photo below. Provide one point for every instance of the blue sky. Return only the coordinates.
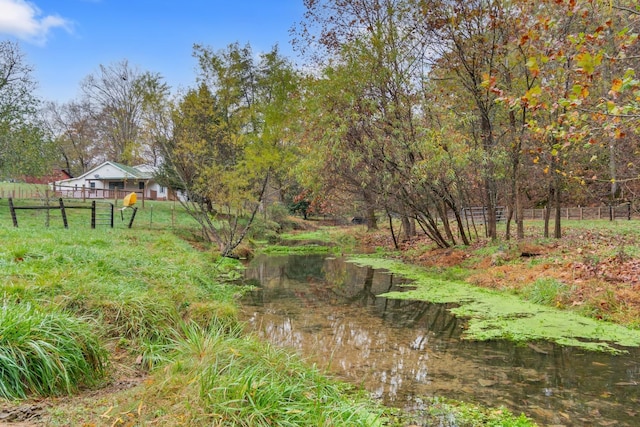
(66, 40)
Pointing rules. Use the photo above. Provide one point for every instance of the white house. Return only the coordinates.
(112, 180)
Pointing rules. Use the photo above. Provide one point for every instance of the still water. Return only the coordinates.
(329, 311)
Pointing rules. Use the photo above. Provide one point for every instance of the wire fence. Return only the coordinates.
(82, 193)
(479, 214)
(622, 211)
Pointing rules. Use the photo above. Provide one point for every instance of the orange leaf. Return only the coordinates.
(616, 85)
(585, 92)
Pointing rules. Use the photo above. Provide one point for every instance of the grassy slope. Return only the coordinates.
(167, 318)
(163, 311)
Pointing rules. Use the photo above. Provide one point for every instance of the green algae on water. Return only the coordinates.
(495, 315)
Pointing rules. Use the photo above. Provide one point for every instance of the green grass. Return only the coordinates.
(236, 380)
(546, 291)
(138, 284)
(321, 235)
(289, 250)
(46, 353)
(161, 303)
(150, 215)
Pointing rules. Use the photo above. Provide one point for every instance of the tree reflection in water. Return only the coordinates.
(329, 311)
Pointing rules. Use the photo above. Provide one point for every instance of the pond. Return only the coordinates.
(403, 351)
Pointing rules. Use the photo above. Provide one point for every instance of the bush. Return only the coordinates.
(46, 353)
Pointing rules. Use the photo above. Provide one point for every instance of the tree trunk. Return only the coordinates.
(615, 188)
(507, 233)
(557, 232)
(519, 215)
(489, 179)
(445, 222)
(393, 234)
(372, 222)
(406, 226)
(547, 211)
(490, 200)
(461, 231)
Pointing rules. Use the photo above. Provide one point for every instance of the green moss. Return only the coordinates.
(495, 315)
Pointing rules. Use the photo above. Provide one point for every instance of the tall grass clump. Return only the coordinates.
(46, 353)
(545, 291)
(236, 380)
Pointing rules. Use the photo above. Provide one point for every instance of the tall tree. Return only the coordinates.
(228, 139)
(379, 142)
(23, 148)
(471, 46)
(116, 95)
(75, 132)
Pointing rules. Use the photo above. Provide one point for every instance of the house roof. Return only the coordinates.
(133, 171)
(127, 172)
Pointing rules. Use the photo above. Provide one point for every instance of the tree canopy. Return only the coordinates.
(229, 139)
(23, 148)
(419, 110)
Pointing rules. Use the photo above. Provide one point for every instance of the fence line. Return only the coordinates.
(68, 192)
(21, 193)
(84, 193)
(478, 215)
(623, 211)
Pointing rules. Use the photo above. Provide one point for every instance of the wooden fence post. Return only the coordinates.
(13, 212)
(133, 215)
(64, 214)
(629, 211)
(93, 214)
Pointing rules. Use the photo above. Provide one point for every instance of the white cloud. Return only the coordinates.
(23, 20)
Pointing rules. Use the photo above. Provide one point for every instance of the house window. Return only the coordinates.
(117, 185)
(141, 185)
(161, 190)
(92, 185)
